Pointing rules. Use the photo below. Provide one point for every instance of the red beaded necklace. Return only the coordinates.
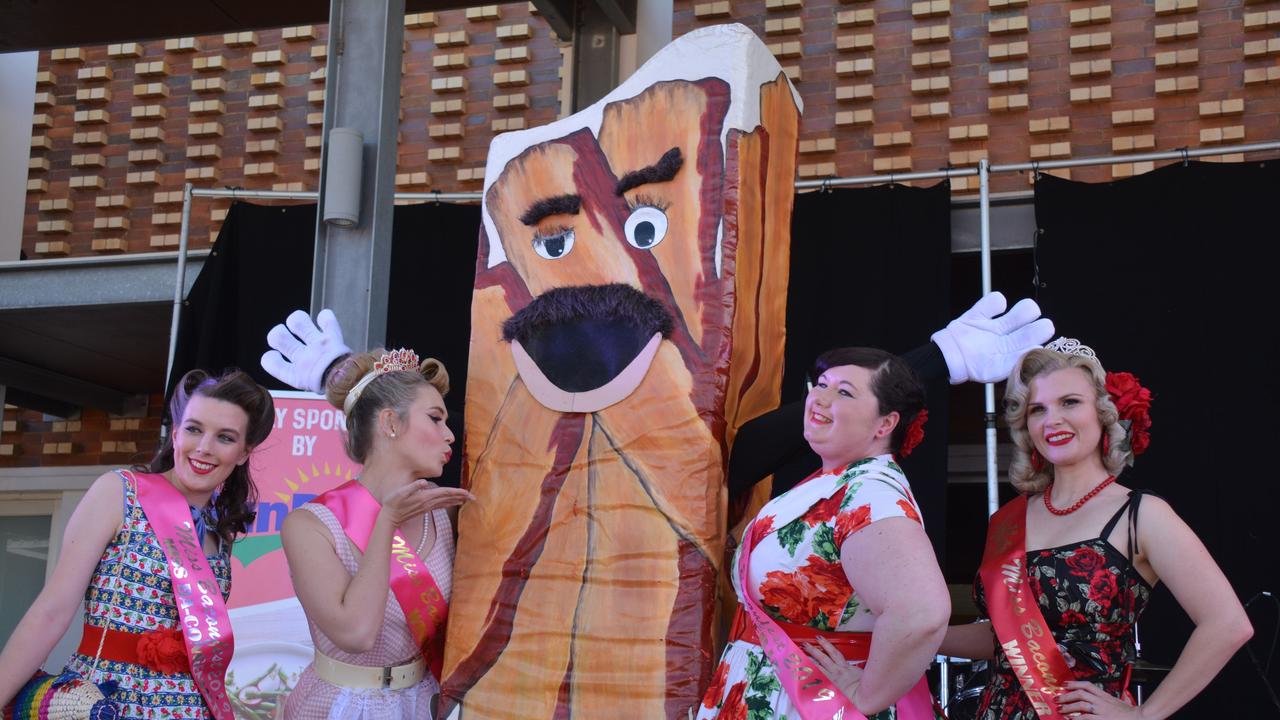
(1079, 503)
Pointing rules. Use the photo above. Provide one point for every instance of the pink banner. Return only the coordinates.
(202, 614)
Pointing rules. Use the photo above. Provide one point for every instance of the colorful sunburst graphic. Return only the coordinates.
(278, 497)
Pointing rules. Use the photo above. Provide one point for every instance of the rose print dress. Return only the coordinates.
(797, 577)
(1090, 596)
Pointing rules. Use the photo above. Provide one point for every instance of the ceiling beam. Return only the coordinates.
(59, 394)
(559, 14)
(622, 13)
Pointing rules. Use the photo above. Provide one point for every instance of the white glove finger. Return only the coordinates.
(1025, 311)
(328, 324)
(989, 306)
(1030, 336)
(274, 363)
(279, 338)
(299, 323)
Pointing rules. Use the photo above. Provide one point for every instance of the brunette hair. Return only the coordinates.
(236, 504)
(896, 386)
(396, 389)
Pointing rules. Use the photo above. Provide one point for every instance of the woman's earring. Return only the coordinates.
(1037, 461)
(1106, 443)
(393, 434)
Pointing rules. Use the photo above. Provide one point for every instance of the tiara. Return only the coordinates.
(1072, 346)
(392, 360)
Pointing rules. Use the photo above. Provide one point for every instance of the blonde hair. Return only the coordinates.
(396, 390)
(1042, 361)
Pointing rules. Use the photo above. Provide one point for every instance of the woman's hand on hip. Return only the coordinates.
(1087, 701)
(846, 677)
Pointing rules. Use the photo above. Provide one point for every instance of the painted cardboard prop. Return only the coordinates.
(629, 308)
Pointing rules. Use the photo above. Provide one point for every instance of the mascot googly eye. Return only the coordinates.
(646, 226)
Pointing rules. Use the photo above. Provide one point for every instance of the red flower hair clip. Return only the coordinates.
(915, 433)
(1133, 402)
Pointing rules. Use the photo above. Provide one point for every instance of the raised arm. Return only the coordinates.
(93, 524)
(348, 609)
(980, 345)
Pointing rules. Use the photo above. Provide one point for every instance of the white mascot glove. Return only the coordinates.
(302, 351)
(981, 347)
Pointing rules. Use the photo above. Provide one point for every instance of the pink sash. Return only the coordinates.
(1025, 638)
(420, 598)
(810, 690)
(202, 614)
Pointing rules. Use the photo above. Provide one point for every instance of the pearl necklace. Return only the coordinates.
(426, 525)
(1079, 503)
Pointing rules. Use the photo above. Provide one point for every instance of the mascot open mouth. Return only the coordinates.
(584, 348)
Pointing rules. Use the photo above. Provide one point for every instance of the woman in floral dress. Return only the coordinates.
(841, 556)
(1096, 551)
(113, 564)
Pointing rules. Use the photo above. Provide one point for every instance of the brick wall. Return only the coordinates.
(119, 129)
(30, 439)
(895, 86)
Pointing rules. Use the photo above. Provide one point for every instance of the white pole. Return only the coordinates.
(989, 389)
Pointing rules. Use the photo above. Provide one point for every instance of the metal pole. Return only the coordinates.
(1180, 154)
(890, 178)
(988, 389)
(179, 285)
(362, 91)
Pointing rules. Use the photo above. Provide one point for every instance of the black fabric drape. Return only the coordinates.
(260, 270)
(1165, 276)
(872, 267)
(433, 272)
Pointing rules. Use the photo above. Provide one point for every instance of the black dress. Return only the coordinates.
(1090, 596)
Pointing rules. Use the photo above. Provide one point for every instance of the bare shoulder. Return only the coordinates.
(301, 525)
(1155, 509)
(105, 498)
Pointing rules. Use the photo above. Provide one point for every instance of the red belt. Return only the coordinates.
(160, 650)
(854, 646)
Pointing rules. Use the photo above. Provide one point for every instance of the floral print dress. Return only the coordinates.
(796, 576)
(1090, 596)
(131, 591)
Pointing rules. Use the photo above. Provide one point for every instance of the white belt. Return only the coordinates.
(394, 677)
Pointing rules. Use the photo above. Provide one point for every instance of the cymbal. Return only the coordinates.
(1145, 671)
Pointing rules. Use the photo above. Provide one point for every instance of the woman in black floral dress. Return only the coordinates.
(1093, 551)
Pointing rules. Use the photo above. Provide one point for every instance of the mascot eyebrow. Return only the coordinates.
(663, 170)
(559, 205)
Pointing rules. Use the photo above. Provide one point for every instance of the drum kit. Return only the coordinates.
(960, 681)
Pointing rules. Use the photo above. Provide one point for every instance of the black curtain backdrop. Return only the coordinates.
(1165, 276)
(872, 267)
(259, 271)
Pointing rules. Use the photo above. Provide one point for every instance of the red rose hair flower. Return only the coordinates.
(1133, 403)
(915, 433)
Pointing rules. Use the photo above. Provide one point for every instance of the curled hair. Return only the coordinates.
(236, 504)
(896, 386)
(396, 390)
(1041, 361)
